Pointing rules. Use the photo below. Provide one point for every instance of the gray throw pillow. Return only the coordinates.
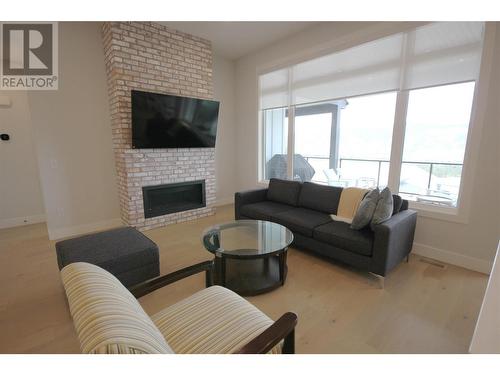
(383, 211)
(365, 211)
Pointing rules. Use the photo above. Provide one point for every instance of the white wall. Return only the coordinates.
(479, 237)
(20, 193)
(301, 46)
(73, 137)
(472, 244)
(225, 160)
(73, 148)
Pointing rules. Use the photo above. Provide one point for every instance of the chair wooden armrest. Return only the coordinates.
(282, 329)
(151, 285)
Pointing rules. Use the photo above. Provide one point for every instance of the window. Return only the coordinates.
(366, 125)
(332, 119)
(315, 128)
(345, 142)
(275, 132)
(436, 134)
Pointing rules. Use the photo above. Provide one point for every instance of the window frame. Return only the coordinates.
(396, 162)
(313, 109)
(397, 146)
(460, 213)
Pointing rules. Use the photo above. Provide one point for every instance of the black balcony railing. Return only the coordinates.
(431, 166)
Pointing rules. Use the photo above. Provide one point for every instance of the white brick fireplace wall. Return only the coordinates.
(151, 57)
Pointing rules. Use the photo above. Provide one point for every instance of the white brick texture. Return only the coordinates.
(151, 57)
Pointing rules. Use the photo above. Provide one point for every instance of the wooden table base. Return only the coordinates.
(249, 277)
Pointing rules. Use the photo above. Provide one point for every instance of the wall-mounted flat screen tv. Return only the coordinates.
(168, 121)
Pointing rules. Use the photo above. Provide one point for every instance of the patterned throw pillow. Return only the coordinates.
(365, 210)
(383, 211)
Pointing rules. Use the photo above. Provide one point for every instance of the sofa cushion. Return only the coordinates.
(301, 220)
(213, 320)
(404, 205)
(283, 191)
(320, 197)
(365, 210)
(384, 209)
(108, 319)
(398, 202)
(264, 210)
(340, 234)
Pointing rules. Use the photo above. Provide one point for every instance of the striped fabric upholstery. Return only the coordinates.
(214, 320)
(109, 320)
(107, 317)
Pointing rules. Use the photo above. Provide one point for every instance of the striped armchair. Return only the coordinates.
(109, 320)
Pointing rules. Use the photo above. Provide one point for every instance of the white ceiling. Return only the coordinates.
(236, 39)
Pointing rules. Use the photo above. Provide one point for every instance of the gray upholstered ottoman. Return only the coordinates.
(125, 252)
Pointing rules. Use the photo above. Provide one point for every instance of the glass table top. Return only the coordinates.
(247, 239)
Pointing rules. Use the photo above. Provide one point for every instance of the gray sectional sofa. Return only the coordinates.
(305, 209)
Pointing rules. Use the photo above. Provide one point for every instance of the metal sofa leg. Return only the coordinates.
(408, 258)
(381, 280)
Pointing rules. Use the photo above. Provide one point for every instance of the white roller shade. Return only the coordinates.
(370, 67)
(442, 53)
(274, 89)
(434, 54)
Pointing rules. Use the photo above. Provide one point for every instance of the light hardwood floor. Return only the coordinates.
(424, 308)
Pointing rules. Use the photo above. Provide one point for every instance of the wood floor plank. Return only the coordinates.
(424, 308)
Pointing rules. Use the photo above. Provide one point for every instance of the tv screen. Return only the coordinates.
(168, 121)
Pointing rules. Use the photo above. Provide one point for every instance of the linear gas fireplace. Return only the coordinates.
(166, 199)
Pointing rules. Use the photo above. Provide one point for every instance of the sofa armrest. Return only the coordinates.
(246, 197)
(393, 241)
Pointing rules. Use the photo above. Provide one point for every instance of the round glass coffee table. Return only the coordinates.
(250, 255)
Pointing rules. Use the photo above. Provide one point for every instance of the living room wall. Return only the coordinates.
(72, 136)
(470, 244)
(21, 201)
(225, 151)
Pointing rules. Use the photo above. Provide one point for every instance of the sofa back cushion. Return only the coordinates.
(284, 191)
(398, 202)
(320, 197)
(404, 205)
(107, 317)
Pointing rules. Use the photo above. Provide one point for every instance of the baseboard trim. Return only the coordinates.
(475, 264)
(224, 201)
(57, 234)
(19, 221)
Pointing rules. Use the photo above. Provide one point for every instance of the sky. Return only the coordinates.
(436, 127)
